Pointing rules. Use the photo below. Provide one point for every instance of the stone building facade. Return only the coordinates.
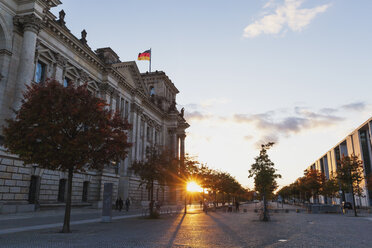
(36, 45)
(359, 143)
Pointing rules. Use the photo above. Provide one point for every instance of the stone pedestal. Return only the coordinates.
(107, 202)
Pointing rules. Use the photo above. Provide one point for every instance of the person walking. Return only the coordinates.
(127, 204)
(237, 206)
(205, 207)
(120, 204)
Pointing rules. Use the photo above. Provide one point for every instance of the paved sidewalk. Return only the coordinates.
(13, 223)
(200, 230)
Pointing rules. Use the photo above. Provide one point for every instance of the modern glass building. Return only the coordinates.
(358, 143)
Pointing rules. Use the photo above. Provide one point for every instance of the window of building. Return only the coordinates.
(40, 72)
(66, 82)
(366, 158)
(148, 133)
(126, 111)
(61, 190)
(152, 91)
(122, 104)
(85, 191)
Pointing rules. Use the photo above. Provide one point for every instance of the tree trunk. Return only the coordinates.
(66, 223)
(151, 198)
(354, 207)
(265, 214)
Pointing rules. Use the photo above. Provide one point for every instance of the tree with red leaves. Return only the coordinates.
(67, 129)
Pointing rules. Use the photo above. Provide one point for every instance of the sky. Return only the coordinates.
(295, 72)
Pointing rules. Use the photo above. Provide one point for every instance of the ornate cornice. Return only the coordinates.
(27, 23)
(63, 34)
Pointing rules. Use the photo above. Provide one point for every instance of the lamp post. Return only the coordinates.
(185, 212)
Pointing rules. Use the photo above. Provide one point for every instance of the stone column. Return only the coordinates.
(144, 143)
(182, 148)
(31, 26)
(139, 138)
(134, 133)
(153, 136)
(175, 144)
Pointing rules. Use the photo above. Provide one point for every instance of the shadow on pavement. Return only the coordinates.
(174, 235)
(228, 231)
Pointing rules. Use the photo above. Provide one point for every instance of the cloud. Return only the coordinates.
(248, 137)
(286, 15)
(357, 106)
(213, 101)
(301, 120)
(196, 115)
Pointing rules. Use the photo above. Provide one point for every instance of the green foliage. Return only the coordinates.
(264, 173)
(330, 188)
(312, 182)
(350, 174)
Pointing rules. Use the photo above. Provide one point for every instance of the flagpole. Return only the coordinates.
(150, 61)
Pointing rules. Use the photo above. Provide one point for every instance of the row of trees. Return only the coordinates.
(162, 168)
(349, 175)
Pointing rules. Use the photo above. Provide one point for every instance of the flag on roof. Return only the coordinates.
(146, 55)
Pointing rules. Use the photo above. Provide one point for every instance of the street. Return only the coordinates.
(215, 229)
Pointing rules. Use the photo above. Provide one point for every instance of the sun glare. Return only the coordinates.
(193, 187)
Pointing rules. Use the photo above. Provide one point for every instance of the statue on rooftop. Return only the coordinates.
(61, 19)
(83, 36)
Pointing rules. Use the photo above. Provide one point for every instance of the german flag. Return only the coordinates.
(145, 55)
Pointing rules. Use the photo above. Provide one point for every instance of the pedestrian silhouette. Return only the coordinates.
(127, 204)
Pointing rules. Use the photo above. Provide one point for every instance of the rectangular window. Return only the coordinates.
(122, 104)
(85, 191)
(66, 82)
(61, 190)
(126, 112)
(40, 72)
(148, 133)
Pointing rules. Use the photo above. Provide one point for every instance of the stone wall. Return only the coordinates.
(15, 181)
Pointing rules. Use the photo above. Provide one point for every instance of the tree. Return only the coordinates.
(313, 182)
(350, 175)
(67, 129)
(160, 167)
(265, 177)
(330, 188)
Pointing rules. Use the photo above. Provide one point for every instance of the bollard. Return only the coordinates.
(245, 210)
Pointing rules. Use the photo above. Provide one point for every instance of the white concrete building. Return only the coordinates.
(36, 45)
